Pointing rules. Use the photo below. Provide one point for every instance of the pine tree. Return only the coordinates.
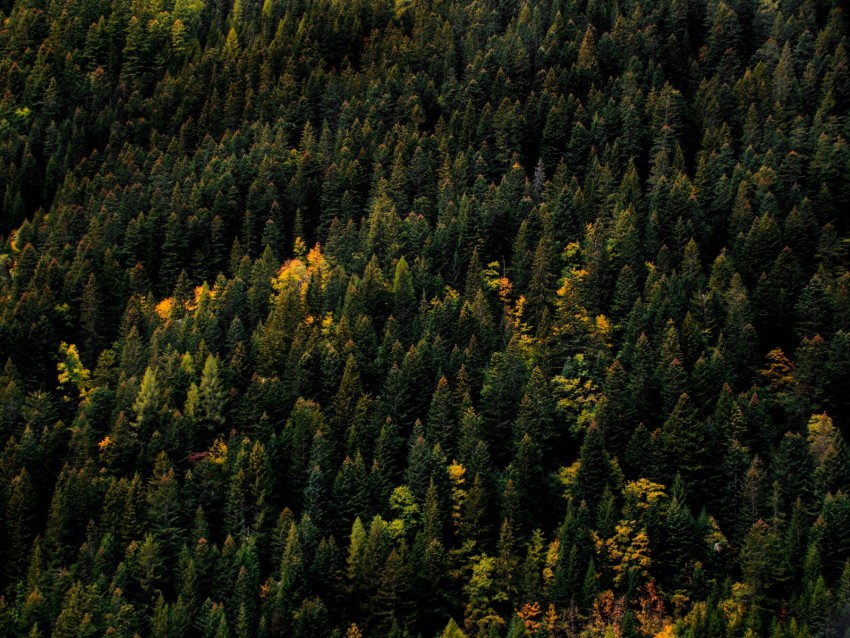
(595, 470)
(441, 420)
(345, 401)
(211, 395)
(481, 618)
(148, 402)
(692, 444)
(404, 297)
(164, 512)
(501, 395)
(351, 490)
(19, 519)
(615, 412)
(761, 562)
(392, 604)
(316, 496)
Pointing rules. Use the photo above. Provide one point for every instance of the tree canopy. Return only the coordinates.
(424, 318)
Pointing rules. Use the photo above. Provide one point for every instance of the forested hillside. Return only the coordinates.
(362, 318)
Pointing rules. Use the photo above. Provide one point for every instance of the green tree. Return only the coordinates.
(19, 525)
(442, 425)
(482, 593)
(404, 296)
(148, 403)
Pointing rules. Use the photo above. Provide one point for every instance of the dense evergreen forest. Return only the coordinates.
(427, 318)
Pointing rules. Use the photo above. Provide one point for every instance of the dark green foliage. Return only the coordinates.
(326, 318)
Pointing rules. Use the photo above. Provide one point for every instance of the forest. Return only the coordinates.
(424, 318)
